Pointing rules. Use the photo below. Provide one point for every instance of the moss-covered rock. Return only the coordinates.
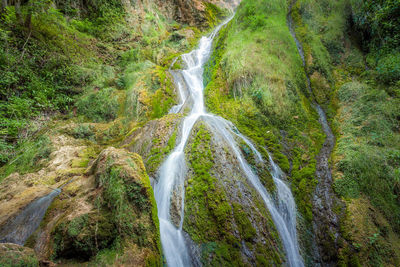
(120, 213)
(224, 215)
(154, 140)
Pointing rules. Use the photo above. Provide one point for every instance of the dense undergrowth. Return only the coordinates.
(89, 62)
(48, 62)
(94, 61)
(353, 72)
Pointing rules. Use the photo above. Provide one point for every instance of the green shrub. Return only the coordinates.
(388, 68)
(29, 157)
(98, 106)
(253, 15)
(369, 148)
(84, 131)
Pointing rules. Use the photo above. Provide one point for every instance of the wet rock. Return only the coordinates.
(111, 200)
(121, 206)
(154, 141)
(222, 209)
(176, 206)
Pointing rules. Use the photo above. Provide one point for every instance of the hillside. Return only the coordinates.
(200, 132)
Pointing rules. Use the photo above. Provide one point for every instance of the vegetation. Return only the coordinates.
(216, 220)
(31, 156)
(377, 23)
(262, 96)
(124, 214)
(99, 71)
(359, 91)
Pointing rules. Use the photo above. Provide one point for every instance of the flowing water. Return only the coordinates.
(19, 229)
(173, 171)
(326, 222)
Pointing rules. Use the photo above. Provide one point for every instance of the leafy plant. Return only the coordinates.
(98, 106)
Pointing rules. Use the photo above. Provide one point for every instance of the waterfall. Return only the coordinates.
(173, 171)
(19, 229)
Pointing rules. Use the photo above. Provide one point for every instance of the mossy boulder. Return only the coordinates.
(12, 255)
(84, 236)
(121, 213)
(224, 214)
(154, 141)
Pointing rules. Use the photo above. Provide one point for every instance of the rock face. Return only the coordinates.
(190, 12)
(154, 141)
(224, 215)
(116, 205)
(108, 205)
(18, 191)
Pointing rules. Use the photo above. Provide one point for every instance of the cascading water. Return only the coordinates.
(283, 211)
(173, 171)
(19, 229)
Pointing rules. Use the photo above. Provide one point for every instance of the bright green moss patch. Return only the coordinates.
(207, 210)
(164, 98)
(157, 153)
(214, 14)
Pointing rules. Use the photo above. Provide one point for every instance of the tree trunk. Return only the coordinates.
(3, 5)
(28, 20)
(18, 13)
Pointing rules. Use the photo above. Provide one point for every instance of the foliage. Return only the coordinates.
(378, 23)
(43, 67)
(84, 131)
(31, 156)
(84, 236)
(98, 106)
(370, 150)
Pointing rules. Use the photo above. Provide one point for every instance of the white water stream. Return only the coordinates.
(173, 171)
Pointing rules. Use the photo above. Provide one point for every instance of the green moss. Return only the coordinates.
(214, 14)
(247, 231)
(84, 236)
(208, 214)
(158, 153)
(164, 98)
(124, 213)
